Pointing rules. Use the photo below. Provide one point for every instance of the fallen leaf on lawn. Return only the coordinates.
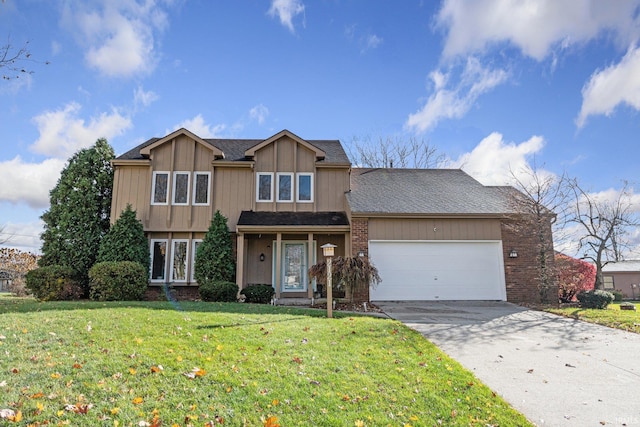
(77, 366)
(272, 422)
(132, 371)
(3, 383)
(78, 408)
(297, 360)
(195, 372)
(55, 375)
(15, 371)
(137, 400)
(37, 396)
(155, 369)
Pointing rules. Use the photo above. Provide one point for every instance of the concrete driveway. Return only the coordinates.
(556, 371)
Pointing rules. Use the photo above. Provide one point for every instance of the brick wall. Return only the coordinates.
(360, 243)
(522, 274)
(177, 293)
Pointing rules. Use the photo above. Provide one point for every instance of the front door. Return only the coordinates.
(294, 267)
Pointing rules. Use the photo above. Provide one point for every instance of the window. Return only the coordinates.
(285, 187)
(160, 188)
(158, 260)
(607, 282)
(201, 188)
(194, 252)
(264, 187)
(305, 187)
(179, 260)
(181, 188)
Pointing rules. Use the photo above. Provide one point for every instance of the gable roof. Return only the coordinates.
(146, 150)
(252, 151)
(424, 192)
(236, 149)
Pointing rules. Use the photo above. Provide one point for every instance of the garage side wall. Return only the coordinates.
(523, 275)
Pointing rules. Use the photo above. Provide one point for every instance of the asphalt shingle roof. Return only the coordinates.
(622, 266)
(234, 149)
(424, 191)
(293, 218)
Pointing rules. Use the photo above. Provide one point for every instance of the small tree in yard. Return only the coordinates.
(350, 274)
(214, 258)
(125, 241)
(574, 276)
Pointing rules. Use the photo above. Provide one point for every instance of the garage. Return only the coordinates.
(438, 270)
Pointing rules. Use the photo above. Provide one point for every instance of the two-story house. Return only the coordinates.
(432, 234)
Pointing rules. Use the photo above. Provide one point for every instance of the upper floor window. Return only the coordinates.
(160, 190)
(285, 187)
(305, 187)
(201, 187)
(264, 185)
(181, 188)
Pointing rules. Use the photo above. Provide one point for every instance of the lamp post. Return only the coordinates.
(633, 291)
(328, 251)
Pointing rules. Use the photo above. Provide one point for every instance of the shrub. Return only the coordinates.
(125, 241)
(617, 295)
(350, 274)
(574, 275)
(259, 294)
(53, 283)
(117, 281)
(595, 299)
(214, 258)
(218, 291)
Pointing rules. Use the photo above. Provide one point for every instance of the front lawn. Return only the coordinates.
(205, 364)
(612, 316)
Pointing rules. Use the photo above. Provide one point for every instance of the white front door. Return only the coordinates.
(294, 267)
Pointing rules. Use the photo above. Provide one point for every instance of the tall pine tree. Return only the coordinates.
(78, 217)
(214, 259)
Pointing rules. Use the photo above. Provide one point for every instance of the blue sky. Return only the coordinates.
(493, 85)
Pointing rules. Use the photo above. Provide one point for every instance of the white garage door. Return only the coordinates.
(418, 270)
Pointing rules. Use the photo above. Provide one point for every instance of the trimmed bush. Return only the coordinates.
(53, 283)
(617, 295)
(218, 291)
(258, 294)
(117, 281)
(595, 299)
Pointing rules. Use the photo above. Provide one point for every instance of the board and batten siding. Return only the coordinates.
(132, 184)
(232, 193)
(434, 229)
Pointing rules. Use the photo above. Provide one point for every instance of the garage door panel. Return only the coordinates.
(438, 270)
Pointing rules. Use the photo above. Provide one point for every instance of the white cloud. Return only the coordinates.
(30, 182)
(63, 132)
(118, 35)
(198, 126)
(140, 97)
(614, 85)
(450, 103)
(23, 236)
(535, 27)
(492, 160)
(259, 113)
(286, 10)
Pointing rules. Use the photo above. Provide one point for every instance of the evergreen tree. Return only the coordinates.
(214, 259)
(78, 217)
(125, 241)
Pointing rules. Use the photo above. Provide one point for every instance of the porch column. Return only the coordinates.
(239, 260)
(310, 257)
(278, 264)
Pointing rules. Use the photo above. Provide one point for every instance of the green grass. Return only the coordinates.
(612, 316)
(120, 364)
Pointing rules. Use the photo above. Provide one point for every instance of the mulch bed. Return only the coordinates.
(357, 307)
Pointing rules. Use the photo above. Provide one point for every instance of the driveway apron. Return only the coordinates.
(556, 371)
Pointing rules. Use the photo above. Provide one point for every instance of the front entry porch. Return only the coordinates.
(281, 254)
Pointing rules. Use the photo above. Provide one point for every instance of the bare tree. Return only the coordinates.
(606, 223)
(4, 237)
(11, 60)
(389, 152)
(540, 205)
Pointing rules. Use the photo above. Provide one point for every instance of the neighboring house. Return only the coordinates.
(5, 281)
(623, 276)
(433, 234)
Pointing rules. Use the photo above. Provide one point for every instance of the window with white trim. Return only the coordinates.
(160, 188)
(304, 187)
(181, 188)
(285, 187)
(194, 251)
(158, 260)
(179, 260)
(264, 187)
(201, 188)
